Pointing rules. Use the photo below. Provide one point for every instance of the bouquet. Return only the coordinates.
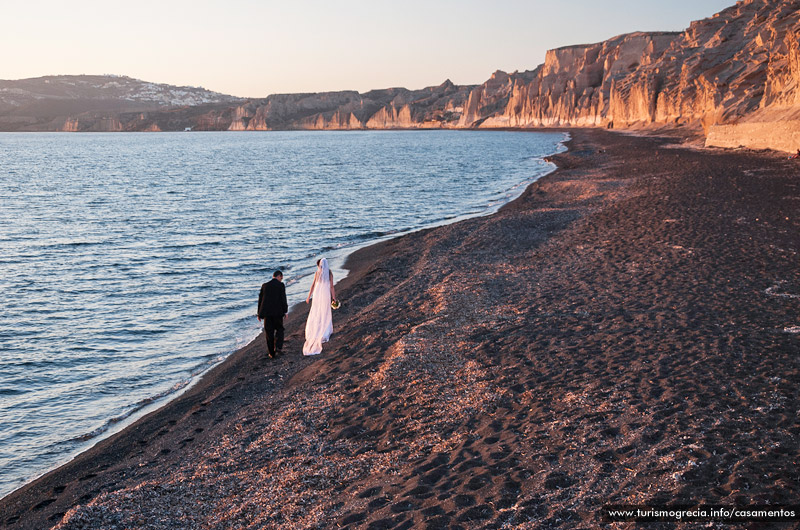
(335, 304)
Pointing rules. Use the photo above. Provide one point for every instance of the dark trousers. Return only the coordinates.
(273, 328)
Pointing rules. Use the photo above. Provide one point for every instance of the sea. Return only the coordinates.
(130, 263)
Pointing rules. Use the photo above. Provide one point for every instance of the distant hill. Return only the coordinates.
(57, 103)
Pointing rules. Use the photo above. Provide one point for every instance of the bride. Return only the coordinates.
(319, 325)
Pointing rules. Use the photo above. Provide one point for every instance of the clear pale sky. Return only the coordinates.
(254, 48)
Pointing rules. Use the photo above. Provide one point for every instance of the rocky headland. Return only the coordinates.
(96, 103)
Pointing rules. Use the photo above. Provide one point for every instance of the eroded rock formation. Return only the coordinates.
(735, 76)
(392, 108)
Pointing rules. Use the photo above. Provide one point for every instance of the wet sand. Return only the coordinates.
(627, 331)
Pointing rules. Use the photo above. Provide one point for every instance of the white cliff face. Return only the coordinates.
(390, 117)
(395, 108)
(583, 85)
(735, 75)
(483, 99)
(761, 106)
(70, 125)
(732, 74)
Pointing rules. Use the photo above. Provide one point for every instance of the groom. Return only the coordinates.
(272, 308)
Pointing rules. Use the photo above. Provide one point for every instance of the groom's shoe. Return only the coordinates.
(278, 353)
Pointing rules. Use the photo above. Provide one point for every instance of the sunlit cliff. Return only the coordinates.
(734, 77)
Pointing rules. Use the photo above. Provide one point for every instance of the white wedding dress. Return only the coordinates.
(319, 325)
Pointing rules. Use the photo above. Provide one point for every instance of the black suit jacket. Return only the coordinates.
(272, 299)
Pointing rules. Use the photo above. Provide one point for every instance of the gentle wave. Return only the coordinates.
(139, 405)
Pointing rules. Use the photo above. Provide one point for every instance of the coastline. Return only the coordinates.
(81, 435)
(341, 258)
(409, 326)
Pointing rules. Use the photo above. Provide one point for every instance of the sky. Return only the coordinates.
(252, 48)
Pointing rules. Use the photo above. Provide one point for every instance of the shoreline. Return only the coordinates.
(340, 259)
(373, 339)
(114, 425)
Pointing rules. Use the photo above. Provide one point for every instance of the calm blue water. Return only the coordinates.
(131, 263)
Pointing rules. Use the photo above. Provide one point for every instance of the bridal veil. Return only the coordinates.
(319, 325)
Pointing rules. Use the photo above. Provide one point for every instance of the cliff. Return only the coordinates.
(734, 76)
(583, 85)
(392, 108)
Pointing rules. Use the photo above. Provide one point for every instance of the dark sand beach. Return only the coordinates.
(627, 331)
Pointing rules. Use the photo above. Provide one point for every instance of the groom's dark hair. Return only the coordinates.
(276, 274)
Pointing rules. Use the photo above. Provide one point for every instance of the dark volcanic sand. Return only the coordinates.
(621, 333)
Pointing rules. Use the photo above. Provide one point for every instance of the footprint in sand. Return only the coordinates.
(463, 501)
(380, 502)
(353, 518)
(43, 504)
(558, 480)
(371, 492)
(477, 513)
(478, 482)
(419, 492)
(403, 506)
